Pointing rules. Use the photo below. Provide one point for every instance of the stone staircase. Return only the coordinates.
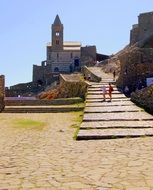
(116, 119)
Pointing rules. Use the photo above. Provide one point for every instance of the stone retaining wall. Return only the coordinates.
(42, 102)
(86, 72)
(72, 86)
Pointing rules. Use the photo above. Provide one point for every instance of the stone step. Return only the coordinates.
(99, 89)
(113, 133)
(107, 80)
(100, 85)
(100, 92)
(123, 116)
(116, 102)
(100, 99)
(116, 124)
(112, 109)
(114, 96)
(41, 109)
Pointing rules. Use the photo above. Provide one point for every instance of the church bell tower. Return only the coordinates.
(57, 35)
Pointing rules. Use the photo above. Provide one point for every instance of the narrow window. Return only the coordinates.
(57, 42)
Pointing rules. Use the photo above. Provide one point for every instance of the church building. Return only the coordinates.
(62, 56)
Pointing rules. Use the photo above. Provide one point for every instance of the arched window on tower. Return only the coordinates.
(57, 33)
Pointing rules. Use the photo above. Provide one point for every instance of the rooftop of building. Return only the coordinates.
(68, 45)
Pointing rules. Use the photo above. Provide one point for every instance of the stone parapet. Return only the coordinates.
(87, 72)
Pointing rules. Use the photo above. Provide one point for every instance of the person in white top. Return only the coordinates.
(104, 91)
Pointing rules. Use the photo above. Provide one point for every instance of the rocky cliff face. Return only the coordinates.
(144, 98)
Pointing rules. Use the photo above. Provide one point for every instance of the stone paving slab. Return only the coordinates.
(107, 80)
(117, 116)
(112, 109)
(116, 124)
(117, 100)
(100, 85)
(103, 104)
(93, 92)
(90, 88)
(113, 133)
(114, 96)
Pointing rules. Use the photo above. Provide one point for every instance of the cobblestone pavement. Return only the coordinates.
(49, 158)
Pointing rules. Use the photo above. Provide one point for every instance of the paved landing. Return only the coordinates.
(116, 119)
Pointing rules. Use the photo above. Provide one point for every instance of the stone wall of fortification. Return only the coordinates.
(2, 92)
(143, 29)
(145, 21)
(134, 34)
(88, 55)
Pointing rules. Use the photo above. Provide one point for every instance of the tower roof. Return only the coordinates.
(57, 21)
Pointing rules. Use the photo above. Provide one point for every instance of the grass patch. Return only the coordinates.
(76, 133)
(76, 125)
(28, 124)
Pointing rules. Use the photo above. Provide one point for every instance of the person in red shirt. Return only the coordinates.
(110, 90)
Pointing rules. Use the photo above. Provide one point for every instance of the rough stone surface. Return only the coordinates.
(49, 159)
(144, 98)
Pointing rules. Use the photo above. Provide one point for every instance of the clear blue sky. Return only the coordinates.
(26, 28)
